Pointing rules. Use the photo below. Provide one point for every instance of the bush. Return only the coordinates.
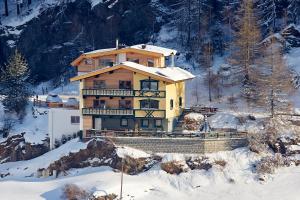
(199, 163)
(257, 142)
(106, 197)
(173, 167)
(193, 121)
(220, 162)
(267, 165)
(73, 192)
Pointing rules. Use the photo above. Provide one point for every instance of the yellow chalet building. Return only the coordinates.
(130, 89)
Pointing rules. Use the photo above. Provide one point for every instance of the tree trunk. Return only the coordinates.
(29, 2)
(272, 103)
(5, 8)
(18, 9)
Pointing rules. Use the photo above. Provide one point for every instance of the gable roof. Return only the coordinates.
(168, 74)
(140, 48)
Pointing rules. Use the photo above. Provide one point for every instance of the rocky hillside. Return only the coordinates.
(60, 32)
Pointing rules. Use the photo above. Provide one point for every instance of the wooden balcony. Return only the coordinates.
(101, 111)
(124, 93)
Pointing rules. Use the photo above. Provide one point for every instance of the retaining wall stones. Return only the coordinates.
(180, 145)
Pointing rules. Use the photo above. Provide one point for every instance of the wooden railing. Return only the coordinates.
(100, 111)
(124, 92)
(107, 92)
(163, 134)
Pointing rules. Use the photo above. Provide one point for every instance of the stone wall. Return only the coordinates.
(181, 145)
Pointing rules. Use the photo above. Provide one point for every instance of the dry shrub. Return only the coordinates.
(267, 165)
(173, 167)
(257, 142)
(191, 124)
(199, 163)
(73, 192)
(220, 162)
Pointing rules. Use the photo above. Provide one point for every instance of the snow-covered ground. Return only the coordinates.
(235, 181)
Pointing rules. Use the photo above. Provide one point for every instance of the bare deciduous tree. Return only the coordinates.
(273, 78)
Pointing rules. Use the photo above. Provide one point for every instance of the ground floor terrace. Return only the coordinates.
(107, 124)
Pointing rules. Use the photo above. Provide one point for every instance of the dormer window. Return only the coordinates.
(106, 62)
(135, 60)
(88, 61)
(150, 62)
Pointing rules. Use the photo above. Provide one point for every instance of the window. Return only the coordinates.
(149, 84)
(180, 101)
(75, 119)
(125, 104)
(145, 123)
(99, 84)
(106, 62)
(99, 103)
(125, 85)
(158, 123)
(124, 122)
(149, 103)
(171, 104)
(150, 62)
(135, 60)
(88, 61)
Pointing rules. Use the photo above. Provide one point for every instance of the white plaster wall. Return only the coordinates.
(59, 123)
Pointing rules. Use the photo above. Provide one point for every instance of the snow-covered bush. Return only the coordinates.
(267, 165)
(72, 192)
(192, 121)
(199, 163)
(103, 197)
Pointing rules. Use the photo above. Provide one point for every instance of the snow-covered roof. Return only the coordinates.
(156, 49)
(53, 98)
(72, 102)
(100, 51)
(143, 47)
(171, 74)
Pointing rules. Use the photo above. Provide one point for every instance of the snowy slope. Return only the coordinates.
(236, 181)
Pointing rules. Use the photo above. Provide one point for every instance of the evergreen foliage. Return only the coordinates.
(15, 85)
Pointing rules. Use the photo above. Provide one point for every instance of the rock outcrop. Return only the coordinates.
(15, 148)
(101, 153)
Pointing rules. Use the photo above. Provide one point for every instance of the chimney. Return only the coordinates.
(117, 43)
(172, 60)
(143, 46)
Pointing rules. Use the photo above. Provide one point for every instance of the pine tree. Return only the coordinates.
(273, 79)
(245, 48)
(15, 83)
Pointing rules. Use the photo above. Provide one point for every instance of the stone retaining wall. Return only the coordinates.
(180, 145)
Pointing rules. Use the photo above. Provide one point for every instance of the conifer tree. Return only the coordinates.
(15, 85)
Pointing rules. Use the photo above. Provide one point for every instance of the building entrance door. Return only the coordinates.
(98, 123)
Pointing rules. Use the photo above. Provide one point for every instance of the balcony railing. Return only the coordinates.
(100, 111)
(124, 93)
(107, 92)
